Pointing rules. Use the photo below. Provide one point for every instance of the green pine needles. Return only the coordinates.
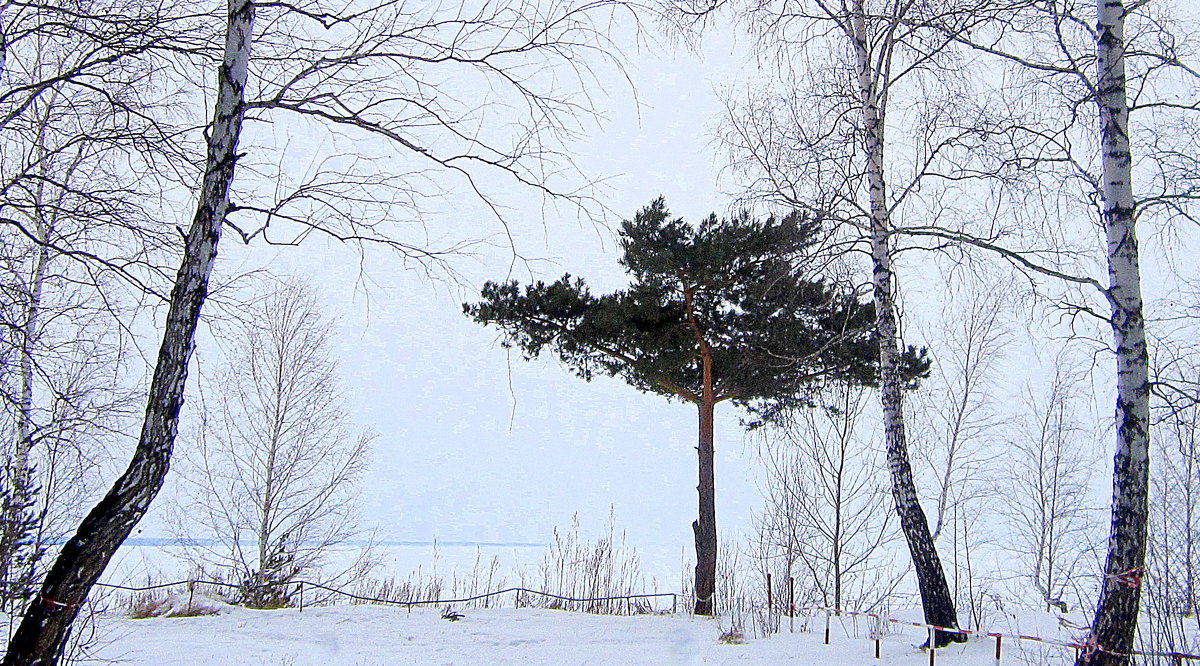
(731, 309)
(738, 290)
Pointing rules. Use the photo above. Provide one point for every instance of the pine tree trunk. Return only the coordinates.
(43, 631)
(705, 528)
(1115, 623)
(935, 593)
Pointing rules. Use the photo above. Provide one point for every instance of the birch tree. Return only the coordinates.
(1046, 167)
(955, 419)
(1173, 559)
(826, 148)
(65, 317)
(43, 630)
(1046, 491)
(1071, 56)
(370, 71)
(277, 466)
(81, 242)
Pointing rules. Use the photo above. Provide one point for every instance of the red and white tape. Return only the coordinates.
(1091, 646)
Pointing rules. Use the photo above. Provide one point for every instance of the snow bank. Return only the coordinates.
(329, 636)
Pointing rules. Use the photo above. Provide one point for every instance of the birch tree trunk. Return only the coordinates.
(1115, 622)
(42, 634)
(937, 602)
(17, 517)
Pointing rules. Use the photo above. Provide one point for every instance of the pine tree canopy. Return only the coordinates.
(739, 290)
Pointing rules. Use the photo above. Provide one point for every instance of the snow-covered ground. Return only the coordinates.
(354, 635)
(360, 635)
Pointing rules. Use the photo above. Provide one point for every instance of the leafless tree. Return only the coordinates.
(823, 145)
(276, 470)
(1046, 163)
(1173, 561)
(825, 518)
(955, 419)
(1046, 492)
(1137, 64)
(368, 71)
(74, 234)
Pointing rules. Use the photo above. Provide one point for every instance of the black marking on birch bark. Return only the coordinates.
(40, 637)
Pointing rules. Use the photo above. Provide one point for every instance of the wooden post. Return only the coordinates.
(770, 603)
(877, 647)
(300, 593)
(791, 604)
(998, 637)
(827, 627)
(932, 649)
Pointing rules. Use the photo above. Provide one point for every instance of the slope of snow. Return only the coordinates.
(360, 635)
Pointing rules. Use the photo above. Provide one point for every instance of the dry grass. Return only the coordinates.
(157, 604)
(580, 568)
(732, 638)
(573, 566)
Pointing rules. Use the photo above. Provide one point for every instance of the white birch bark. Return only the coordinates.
(872, 88)
(1116, 614)
(17, 515)
(43, 630)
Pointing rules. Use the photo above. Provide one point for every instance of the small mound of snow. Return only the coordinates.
(181, 604)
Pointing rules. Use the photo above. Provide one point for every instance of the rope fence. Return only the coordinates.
(1177, 658)
(791, 610)
(301, 584)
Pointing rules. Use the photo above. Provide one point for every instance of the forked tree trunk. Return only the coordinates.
(936, 600)
(1115, 623)
(43, 631)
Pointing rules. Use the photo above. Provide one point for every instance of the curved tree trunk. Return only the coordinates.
(936, 600)
(1115, 624)
(43, 631)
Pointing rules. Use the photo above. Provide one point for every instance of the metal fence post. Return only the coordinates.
(998, 637)
(932, 649)
(300, 593)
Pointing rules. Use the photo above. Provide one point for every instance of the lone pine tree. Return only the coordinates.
(726, 310)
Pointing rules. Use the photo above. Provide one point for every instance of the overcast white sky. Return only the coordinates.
(475, 445)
